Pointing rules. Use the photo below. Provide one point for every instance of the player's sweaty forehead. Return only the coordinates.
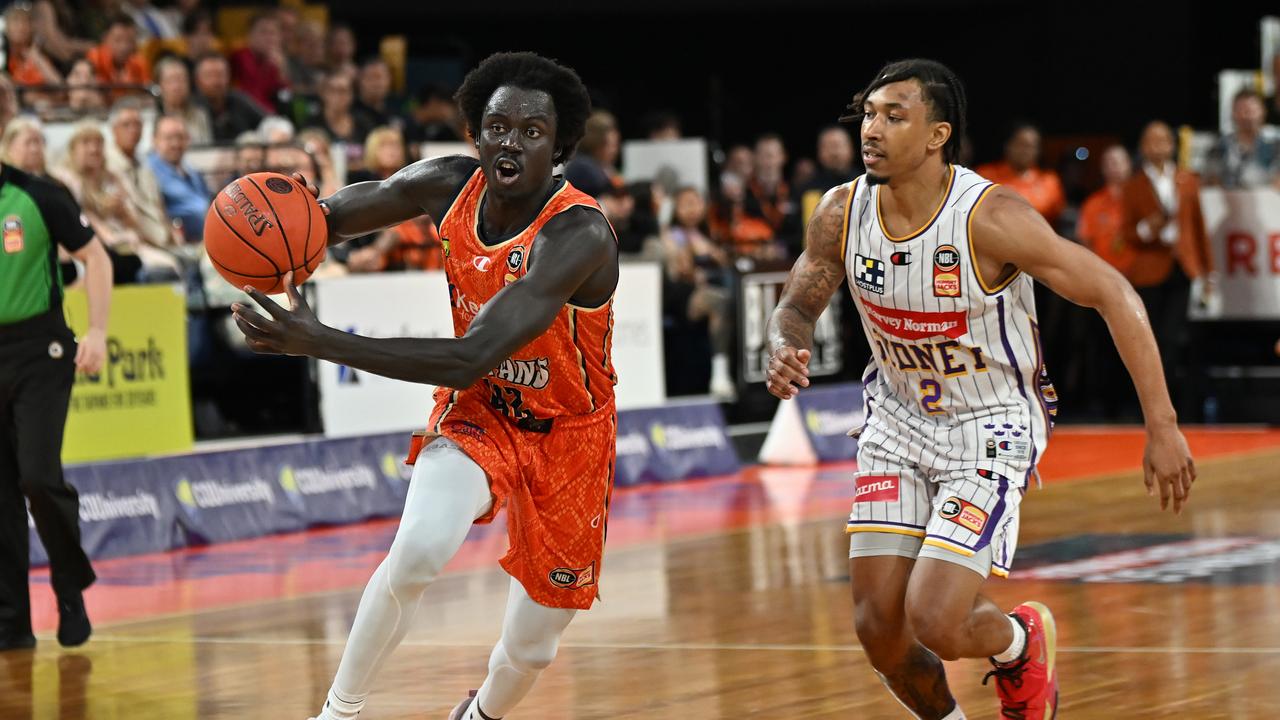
(904, 94)
(516, 103)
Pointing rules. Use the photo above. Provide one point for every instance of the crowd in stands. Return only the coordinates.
(292, 94)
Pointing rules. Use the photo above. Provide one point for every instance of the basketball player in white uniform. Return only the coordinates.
(958, 405)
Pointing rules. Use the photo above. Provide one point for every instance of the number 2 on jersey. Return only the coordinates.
(931, 397)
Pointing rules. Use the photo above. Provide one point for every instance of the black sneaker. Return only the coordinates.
(20, 641)
(73, 622)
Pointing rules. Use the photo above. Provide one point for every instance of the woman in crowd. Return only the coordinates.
(104, 199)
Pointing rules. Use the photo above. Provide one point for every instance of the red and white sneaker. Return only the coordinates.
(1028, 687)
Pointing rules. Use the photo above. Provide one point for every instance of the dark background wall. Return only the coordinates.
(736, 69)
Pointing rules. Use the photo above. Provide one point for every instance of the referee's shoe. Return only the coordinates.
(73, 621)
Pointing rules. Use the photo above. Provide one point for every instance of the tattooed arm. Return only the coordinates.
(814, 277)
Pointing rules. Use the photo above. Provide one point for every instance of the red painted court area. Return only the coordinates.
(293, 565)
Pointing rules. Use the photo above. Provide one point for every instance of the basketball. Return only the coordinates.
(262, 226)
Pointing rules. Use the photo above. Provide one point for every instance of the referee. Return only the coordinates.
(38, 360)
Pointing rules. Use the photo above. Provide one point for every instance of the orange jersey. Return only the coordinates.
(565, 371)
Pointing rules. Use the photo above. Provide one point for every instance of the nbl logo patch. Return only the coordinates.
(515, 258)
(868, 274)
(570, 579)
(946, 278)
(964, 513)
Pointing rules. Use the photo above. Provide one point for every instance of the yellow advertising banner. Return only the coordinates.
(140, 403)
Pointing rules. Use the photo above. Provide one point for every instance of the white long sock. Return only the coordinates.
(530, 637)
(956, 714)
(447, 493)
(1014, 651)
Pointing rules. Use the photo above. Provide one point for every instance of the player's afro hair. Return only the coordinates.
(943, 90)
(531, 72)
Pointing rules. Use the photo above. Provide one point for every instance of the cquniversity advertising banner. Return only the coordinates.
(142, 506)
(673, 443)
(140, 403)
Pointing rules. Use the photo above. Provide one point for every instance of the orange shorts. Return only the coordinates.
(556, 485)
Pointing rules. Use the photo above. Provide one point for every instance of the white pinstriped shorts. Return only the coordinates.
(966, 516)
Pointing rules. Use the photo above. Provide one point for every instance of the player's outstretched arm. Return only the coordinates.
(1008, 233)
(426, 186)
(817, 274)
(575, 258)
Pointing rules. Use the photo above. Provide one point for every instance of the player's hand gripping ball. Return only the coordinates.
(262, 226)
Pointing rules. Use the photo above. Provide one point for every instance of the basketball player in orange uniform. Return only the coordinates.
(524, 413)
(939, 261)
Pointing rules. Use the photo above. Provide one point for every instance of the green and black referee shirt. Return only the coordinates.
(35, 213)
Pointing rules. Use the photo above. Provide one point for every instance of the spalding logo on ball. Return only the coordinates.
(261, 227)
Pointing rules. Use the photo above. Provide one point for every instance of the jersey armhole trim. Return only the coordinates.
(973, 255)
(457, 194)
(848, 216)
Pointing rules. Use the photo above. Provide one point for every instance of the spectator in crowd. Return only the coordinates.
(618, 206)
(768, 195)
(374, 104)
(104, 198)
(275, 130)
(593, 170)
(741, 161)
(83, 95)
(54, 21)
(306, 58)
(435, 117)
(179, 12)
(174, 81)
(341, 51)
(408, 245)
(288, 18)
(231, 112)
(198, 37)
(1245, 158)
(27, 65)
(250, 157)
(142, 189)
(749, 236)
(186, 197)
(337, 118)
(23, 146)
(1101, 224)
(8, 100)
(662, 125)
(1099, 373)
(695, 260)
(117, 60)
(315, 143)
(1165, 226)
(153, 23)
(835, 167)
(258, 68)
(1019, 170)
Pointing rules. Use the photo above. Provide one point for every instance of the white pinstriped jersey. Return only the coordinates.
(956, 379)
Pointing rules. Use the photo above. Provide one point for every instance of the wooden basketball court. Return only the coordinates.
(722, 598)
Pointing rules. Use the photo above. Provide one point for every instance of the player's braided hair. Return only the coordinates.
(531, 72)
(943, 90)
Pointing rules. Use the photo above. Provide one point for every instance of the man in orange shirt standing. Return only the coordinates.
(117, 60)
(1101, 225)
(1019, 172)
(1101, 229)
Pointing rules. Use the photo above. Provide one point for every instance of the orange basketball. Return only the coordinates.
(264, 225)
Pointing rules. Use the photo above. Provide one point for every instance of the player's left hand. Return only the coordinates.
(1167, 462)
(294, 331)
